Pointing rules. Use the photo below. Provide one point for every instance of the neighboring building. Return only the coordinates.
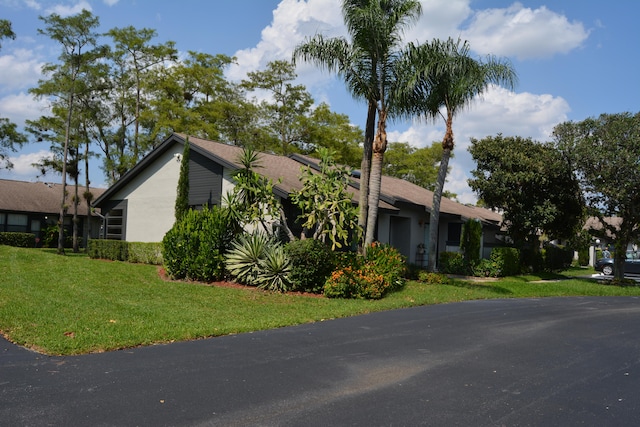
(140, 206)
(603, 240)
(30, 207)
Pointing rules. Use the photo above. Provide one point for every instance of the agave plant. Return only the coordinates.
(244, 257)
(274, 270)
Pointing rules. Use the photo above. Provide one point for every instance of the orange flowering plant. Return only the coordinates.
(370, 277)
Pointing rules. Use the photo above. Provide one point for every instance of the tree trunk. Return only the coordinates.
(285, 226)
(65, 158)
(619, 258)
(87, 193)
(375, 180)
(365, 170)
(434, 220)
(76, 201)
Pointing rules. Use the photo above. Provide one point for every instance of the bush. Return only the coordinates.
(259, 260)
(387, 261)
(145, 252)
(486, 268)
(453, 263)
(557, 258)
(21, 240)
(244, 256)
(370, 277)
(115, 250)
(433, 278)
(506, 260)
(120, 250)
(583, 257)
(194, 248)
(471, 241)
(352, 283)
(311, 264)
(275, 269)
(50, 238)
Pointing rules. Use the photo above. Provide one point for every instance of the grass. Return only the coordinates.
(73, 305)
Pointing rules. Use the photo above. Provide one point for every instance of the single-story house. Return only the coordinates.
(140, 206)
(30, 207)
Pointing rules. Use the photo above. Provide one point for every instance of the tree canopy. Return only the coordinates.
(605, 154)
(532, 183)
(366, 63)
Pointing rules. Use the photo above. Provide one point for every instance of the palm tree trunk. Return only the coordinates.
(434, 220)
(365, 170)
(375, 180)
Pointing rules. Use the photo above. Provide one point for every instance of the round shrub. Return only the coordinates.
(453, 263)
(312, 263)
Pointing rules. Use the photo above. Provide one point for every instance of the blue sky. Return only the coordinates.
(574, 59)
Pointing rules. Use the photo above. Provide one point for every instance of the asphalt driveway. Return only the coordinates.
(521, 362)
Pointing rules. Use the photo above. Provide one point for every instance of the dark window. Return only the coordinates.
(17, 223)
(454, 233)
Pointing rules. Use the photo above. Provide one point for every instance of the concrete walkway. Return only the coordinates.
(525, 362)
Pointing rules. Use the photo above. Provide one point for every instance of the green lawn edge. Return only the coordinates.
(67, 305)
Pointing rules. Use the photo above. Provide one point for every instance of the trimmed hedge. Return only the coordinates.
(21, 240)
(119, 250)
(145, 253)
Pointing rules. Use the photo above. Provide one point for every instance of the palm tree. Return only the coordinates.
(366, 65)
(444, 79)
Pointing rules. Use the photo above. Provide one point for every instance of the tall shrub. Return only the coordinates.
(182, 198)
(194, 247)
(470, 241)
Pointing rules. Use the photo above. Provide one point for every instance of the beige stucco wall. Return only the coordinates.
(151, 198)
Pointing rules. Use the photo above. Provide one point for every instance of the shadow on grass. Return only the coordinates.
(481, 286)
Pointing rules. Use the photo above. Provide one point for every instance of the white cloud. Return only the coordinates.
(440, 19)
(64, 10)
(21, 106)
(498, 111)
(292, 22)
(19, 70)
(523, 32)
(111, 2)
(22, 166)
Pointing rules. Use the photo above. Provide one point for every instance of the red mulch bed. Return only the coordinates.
(224, 284)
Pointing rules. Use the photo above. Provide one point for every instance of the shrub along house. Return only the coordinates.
(140, 206)
(30, 207)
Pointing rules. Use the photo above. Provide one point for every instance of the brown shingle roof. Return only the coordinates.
(37, 197)
(284, 172)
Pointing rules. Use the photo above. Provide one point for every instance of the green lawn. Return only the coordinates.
(72, 304)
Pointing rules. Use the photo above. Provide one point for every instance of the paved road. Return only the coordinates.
(531, 362)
